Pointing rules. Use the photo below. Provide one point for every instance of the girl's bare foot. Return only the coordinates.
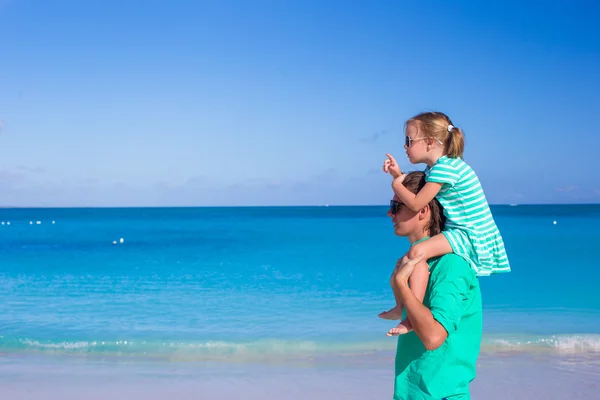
(402, 328)
(393, 314)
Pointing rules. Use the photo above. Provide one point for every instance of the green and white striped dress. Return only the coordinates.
(470, 226)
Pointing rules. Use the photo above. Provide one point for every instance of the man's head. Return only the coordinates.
(428, 221)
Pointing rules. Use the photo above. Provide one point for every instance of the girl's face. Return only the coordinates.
(415, 144)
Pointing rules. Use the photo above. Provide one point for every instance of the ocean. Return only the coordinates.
(166, 297)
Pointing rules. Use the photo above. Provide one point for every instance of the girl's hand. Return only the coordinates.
(391, 166)
(386, 166)
(400, 178)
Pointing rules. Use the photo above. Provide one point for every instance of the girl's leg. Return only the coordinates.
(418, 284)
(434, 247)
(396, 311)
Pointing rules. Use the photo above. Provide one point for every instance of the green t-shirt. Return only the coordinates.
(454, 298)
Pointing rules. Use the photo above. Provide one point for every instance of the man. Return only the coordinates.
(437, 359)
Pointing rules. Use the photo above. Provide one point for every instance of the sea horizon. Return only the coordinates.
(282, 205)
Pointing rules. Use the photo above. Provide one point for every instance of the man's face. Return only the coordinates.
(404, 219)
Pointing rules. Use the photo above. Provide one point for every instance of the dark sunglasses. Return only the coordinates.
(394, 206)
(408, 141)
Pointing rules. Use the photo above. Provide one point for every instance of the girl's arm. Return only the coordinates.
(416, 201)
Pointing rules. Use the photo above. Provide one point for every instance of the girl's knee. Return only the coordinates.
(416, 250)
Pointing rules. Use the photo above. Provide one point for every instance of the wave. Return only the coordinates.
(276, 349)
(562, 344)
(169, 350)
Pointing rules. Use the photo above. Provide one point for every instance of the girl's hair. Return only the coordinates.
(435, 125)
(414, 182)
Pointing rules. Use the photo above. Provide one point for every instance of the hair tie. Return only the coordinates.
(450, 127)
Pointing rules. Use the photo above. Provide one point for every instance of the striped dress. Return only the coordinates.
(470, 227)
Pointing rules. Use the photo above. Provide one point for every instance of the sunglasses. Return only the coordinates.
(394, 206)
(408, 141)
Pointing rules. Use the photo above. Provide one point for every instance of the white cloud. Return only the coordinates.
(567, 189)
(36, 170)
(91, 181)
(11, 178)
(374, 137)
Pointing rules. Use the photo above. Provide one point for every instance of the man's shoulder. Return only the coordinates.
(449, 259)
(451, 264)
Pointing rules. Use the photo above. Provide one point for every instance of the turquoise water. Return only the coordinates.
(269, 283)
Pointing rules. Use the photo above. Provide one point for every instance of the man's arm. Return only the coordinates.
(450, 284)
(430, 331)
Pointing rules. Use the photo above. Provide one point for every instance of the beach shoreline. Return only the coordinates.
(522, 376)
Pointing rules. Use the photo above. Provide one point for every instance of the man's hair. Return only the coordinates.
(414, 182)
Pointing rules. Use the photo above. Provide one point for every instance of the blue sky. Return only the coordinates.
(182, 103)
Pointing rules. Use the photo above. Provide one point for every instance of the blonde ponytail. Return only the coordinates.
(455, 144)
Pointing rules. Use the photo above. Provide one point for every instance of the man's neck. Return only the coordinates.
(415, 237)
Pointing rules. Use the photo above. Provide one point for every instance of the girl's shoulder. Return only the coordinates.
(458, 164)
(445, 160)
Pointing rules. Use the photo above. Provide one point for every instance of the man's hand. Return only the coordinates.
(391, 166)
(405, 266)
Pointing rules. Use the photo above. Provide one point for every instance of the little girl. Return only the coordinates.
(470, 230)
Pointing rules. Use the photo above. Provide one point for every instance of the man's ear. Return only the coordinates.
(423, 212)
